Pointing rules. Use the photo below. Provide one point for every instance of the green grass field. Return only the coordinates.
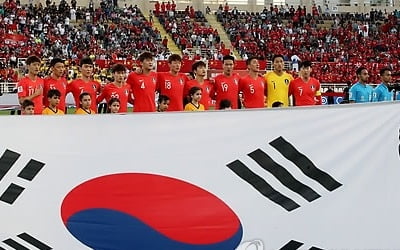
(4, 112)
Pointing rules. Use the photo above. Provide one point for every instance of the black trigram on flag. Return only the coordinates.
(293, 245)
(27, 240)
(30, 170)
(282, 175)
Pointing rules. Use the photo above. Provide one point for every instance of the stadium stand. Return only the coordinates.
(191, 32)
(336, 43)
(62, 31)
(347, 40)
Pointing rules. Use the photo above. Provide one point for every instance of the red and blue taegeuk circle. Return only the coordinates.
(147, 211)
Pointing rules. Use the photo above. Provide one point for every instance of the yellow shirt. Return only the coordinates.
(49, 111)
(278, 88)
(81, 111)
(191, 107)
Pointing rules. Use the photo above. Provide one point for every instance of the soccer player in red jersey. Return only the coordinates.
(56, 81)
(144, 84)
(252, 85)
(226, 85)
(305, 89)
(117, 89)
(31, 86)
(85, 84)
(199, 69)
(172, 83)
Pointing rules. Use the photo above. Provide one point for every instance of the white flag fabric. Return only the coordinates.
(322, 177)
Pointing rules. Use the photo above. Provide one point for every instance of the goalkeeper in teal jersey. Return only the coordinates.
(381, 92)
(361, 92)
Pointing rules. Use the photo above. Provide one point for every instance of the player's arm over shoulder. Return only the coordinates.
(70, 86)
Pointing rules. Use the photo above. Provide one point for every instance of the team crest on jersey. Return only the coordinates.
(236, 81)
(312, 87)
(181, 81)
(154, 80)
(126, 92)
(287, 81)
(94, 86)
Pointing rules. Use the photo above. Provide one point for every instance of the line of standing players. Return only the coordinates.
(176, 91)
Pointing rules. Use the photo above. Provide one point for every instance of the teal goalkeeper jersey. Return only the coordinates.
(382, 94)
(360, 93)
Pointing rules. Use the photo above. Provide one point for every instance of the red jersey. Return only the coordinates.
(79, 86)
(143, 89)
(26, 87)
(305, 93)
(60, 85)
(253, 91)
(227, 87)
(113, 91)
(172, 86)
(207, 89)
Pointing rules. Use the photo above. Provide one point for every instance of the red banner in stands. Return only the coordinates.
(328, 72)
(162, 65)
(130, 64)
(14, 39)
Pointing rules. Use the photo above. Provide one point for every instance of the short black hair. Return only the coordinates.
(248, 61)
(277, 56)
(53, 92)
(382, 71)
(145, 55)
(277, 104)
(86, 60)
(32, 59)
(305, 64)
(118, 67)
(27, 103)
(56, 60)
(193, 90)
(162, 98)
(174, 57)
(82, 95)
(360, 69)
(112, 100)
(225, 103)
(197, 65)
(228, 57)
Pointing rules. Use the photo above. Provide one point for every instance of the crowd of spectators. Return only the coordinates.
(69, 31)
(345, 39)
(190, 30)
(7, 74)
